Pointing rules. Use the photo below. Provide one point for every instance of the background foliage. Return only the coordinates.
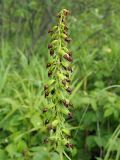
(95, 30)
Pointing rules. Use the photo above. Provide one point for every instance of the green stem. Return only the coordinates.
(61, 156)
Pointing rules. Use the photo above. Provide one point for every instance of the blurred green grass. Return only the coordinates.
(95, 29)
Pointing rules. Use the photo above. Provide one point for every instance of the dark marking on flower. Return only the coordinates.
(69, 90)
(49, 73)
(69, 145)
(45, 110)
(51, 52)
(50, 46)
(53, 91)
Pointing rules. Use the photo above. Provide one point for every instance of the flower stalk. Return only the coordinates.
(57, 89)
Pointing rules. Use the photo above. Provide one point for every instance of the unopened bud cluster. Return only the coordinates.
(57, 89)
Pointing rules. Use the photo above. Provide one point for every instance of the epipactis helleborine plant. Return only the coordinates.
(57, 89)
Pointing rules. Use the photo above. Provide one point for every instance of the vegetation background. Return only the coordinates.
(95, 30)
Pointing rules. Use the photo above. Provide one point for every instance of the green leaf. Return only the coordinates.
(21, 146)
(55, 122)
(36, 120)
(108, 112)
(55, 156)
(2, 154)
(66, 131)
(90, 142)
(11, 149)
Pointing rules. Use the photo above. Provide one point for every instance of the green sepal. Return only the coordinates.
(55, 122)
(66, 131)
(65, 111)
(63, 35)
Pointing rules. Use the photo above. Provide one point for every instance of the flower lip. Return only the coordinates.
(69, 145)
(67, 39)
(46, 87)
(49, 46)
(67, 57)
(46, 94)
(50, 30)
(45, 110)
(51, 52)
(48, 65)
(69, 90)
(49, 73)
